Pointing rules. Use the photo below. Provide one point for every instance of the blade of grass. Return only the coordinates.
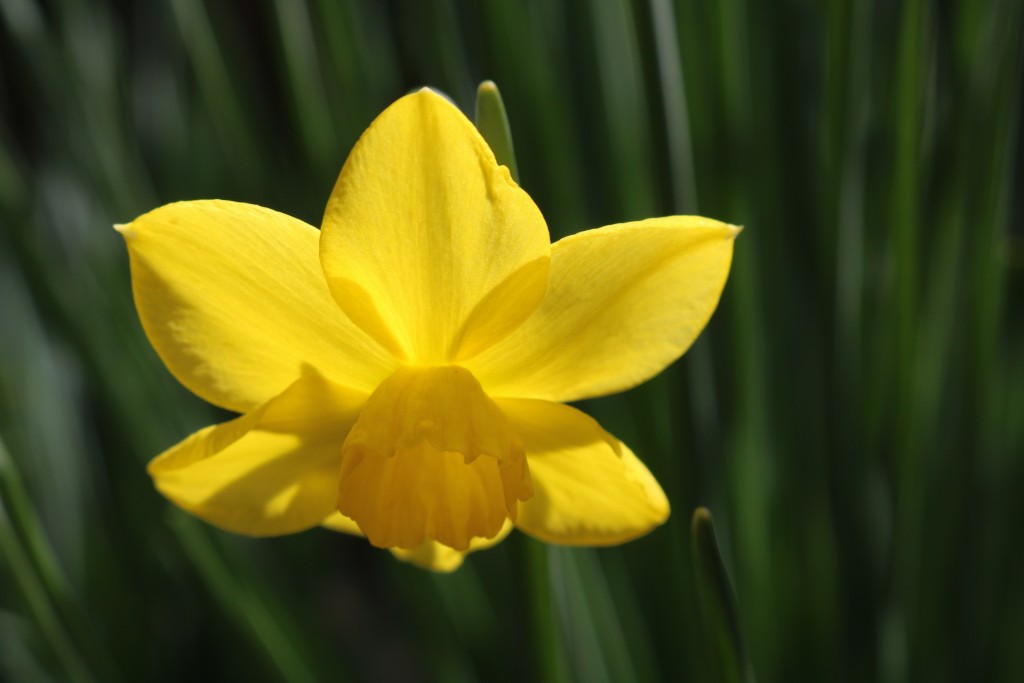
(677, 117)
(492, 122)
(628, 147)
(849, 104)
(718, 601)
(36, 551)
(754, 466)
(547, 642)
(903, 238)
(992, 60)
(587, 659)
(218, 89)
(309, 103)
(35, 577)
(237, 596)
(594, 599)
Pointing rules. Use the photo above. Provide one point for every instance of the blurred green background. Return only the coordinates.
(853, 416)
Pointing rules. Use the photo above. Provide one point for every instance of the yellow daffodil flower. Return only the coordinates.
(402, 372)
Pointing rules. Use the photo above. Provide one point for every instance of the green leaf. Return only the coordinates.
(492, 122)
(718, 601)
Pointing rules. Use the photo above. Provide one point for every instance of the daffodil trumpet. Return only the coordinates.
(402, 373)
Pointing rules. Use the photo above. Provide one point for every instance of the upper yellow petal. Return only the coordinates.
(271, 471)
(623, 302)
(233, 299)
(427, 243)
(589, 488)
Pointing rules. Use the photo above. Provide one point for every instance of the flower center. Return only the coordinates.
(431, 457)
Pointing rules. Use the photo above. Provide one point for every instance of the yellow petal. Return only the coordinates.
(589, 488)
(271, 471)
(429, 554)
(431, 458)
(339, 522)
(623, 302)
(427, 242)
(233, 299)
(440, 558)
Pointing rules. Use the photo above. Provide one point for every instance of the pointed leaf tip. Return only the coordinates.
(492, 122)
(719, 602)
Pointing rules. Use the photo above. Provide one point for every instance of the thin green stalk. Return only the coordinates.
(470, 609)
(846, 127)
(904, 224)
(635, 626)
(677, 116)
(718, 601)
(903, 231)
(251, 612)
(23, 551)
(596, 607)
(990, 247)
(592, 657)
(74, 77)
(546, 638)
(312, 113)
(624, 99)
(754, 462)
(992, 59)
(216, 85)
(43, 613)
(699, 475)
(848, 119)
(43, 562)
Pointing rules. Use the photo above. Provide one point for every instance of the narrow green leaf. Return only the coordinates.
(217, 86)
(718, 601)
(547, 642)
(598, 643)
(241, 600)
(310, 104)
(492, 121)
(21, 548)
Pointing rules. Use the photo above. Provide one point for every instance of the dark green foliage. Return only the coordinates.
(853, 416)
